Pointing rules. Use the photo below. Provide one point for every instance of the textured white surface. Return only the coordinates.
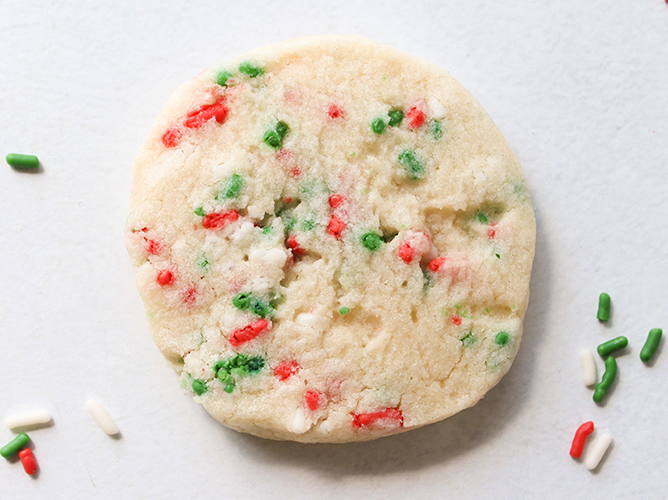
(580, 90)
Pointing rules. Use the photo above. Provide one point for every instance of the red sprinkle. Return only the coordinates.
(406, 252)
(312, 399)
(335, 112)
(415, 118)
(580, 437)
(153, 247)
(248, 332)
(172, 137)
(294, 245)
(189, 295)
(335, 200)
(336, 227)
(287, 200)
(286, 370)
(369, 419)
(28, 461)
(435, 264)
(491, 232)
(165, 278)
(218, 110)
(295, 172)
(456, 319)
(217, 220)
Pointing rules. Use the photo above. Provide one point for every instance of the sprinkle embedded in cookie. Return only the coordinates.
(333, 242)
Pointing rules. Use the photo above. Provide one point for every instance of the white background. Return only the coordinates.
(579, 88)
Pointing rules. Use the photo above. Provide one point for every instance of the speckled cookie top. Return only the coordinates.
(333, 241)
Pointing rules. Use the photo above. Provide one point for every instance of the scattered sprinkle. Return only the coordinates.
(335, 112)
(468, 340)
(199, 386)
(248, 332)
(502, 338)
(171, 137)
(415, 118)
(597, 450)
(336, 200)
(589, 375)
(250, 69)
(344, 310)
(286, 369)
(436, 129)
(197, 118)
(396, 117)
(482, 218)
(165, 278)
(603, 307)
(28, 419)
(378, 126)
(371, 241)
(312, 399)
(232, 187)
(28, 461)
(580, 437)
(22, 162)
(390, 415)
(13, 447)
(274, 137)
(223, 77)
(651, 344)
(606, 380)
(217, 220)
(607, 348)
(412, 163)
(102, 417)
(336, 227)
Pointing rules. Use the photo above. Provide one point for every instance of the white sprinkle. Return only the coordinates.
(257, 254)
(28, 419)
(299, 425)
(437, 109)
(244, 231)
(102, 417)
(307, 319)
(597, 450)
(276, 257)
(589, 374)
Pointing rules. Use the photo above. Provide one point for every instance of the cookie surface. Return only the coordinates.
(333, 241)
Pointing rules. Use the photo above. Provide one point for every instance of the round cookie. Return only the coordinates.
(333, 241)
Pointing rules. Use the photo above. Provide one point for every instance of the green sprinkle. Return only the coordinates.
(290, 224)
(498, 256)
(603, 307)
(282, 129)
(371, 241)
(255, 364)
(218, 366)
(267, 230)
(242, 301)
(199, 386)
(468, 340)
(307, 225)
(378, 125)
(413, 165)
(344, 310)
(260, 308)
(651, 344)
(250, 69)
(607, 348)
(273, 139)
(436, 129)
(200, 211)
(606, 380)
(22, 161)
(502, 338)
(229, 387)
(482, 218)
(202, 262)
(486, 310)
(396, 117)
(222, 78)
(15, 445)
(232, 187)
